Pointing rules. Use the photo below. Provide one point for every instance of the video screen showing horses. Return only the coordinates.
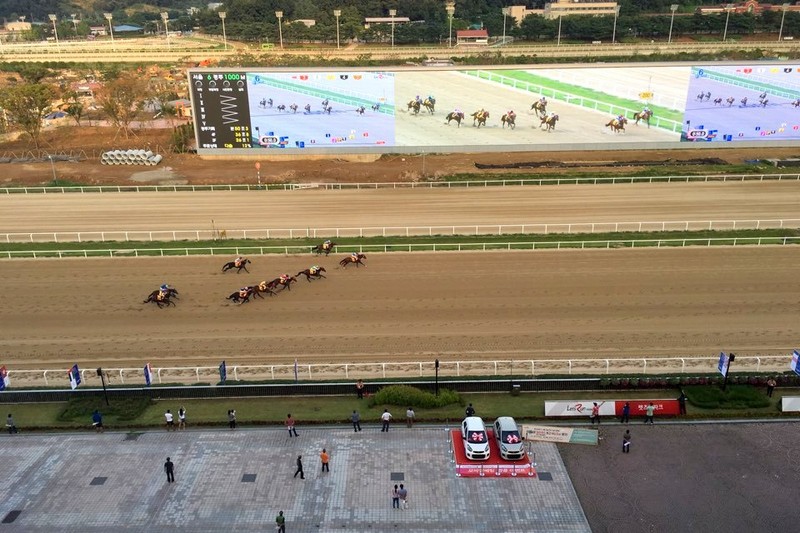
(743, 103)
(321, 109)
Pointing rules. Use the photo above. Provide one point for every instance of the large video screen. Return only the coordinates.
(483, 109)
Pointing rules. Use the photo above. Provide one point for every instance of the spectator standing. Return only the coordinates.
(649, 413)
(300, 467)
(595, 416)
(626, 413)
(280, 520)
(403, 493)
(470, 411)
(97, 421)
(169, 468)
(325, 459)
(360, 389)
(682, 403)
(395, 498)
(12, 428)
(410, 416)
(626, 441)
(181, 418)
(355, 418)
(170, 420)
(290, 422)
(232, 418)
(771, 384)
(386, 417)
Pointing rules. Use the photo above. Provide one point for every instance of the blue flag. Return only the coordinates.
(148, 374)
(74, 377)
(223, 372)
(3, 378)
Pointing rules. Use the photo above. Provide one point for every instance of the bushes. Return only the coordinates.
(405, 395)
(735, 397)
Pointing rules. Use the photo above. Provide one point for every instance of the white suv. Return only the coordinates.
(506, 433)
(476, 440)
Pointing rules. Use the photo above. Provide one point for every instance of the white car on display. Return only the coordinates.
(476, 440)
(506, 433)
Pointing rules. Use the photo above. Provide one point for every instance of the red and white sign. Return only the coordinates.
(578, 408)
(639, 407)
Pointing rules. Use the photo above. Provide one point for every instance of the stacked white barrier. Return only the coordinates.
(130, 157)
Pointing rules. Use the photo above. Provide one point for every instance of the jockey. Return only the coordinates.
(243, 292)
(431, 98)
(313, 270)
(326, 244)
(238, 261)
(284, 278)
(418, 99)
(457, 111)
(354, 256)
(620, 118)
(511, 114)
(543, 101)
(164, 288)
(646, 109)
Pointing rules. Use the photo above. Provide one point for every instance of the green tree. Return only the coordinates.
(27, 105)
(121, 100)
(74, 107)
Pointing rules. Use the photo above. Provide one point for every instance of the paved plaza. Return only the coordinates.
(238, 481)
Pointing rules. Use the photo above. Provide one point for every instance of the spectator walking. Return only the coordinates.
(232, 418)
(325, 459)
(169, 468)
(470, 411)
(649, 413)
(771, 384)
(290, 422)
(10, 426)
(403, 493)
(181, 418)
(395, 498)
(595, 415)
(97, 421)
(280, 520)
(682, 403)
(626, 441)
(355, 418)
(360, 389)
(170, 420)
(626, 413)
(386, 417)
(410, 416)
(300, 467)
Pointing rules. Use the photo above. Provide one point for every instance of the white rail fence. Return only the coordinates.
(385, 248)
(395, 231)
(521, 368)
(402, 185)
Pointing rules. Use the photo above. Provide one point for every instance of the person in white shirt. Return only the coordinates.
(386, 417)
(170, 420)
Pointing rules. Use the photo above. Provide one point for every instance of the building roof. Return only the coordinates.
(386, 20)
(472, 33)
(127, 27)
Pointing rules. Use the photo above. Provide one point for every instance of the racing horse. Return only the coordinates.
(293, 107)
(169, 293)
(796, 103)
(645, 116)
(307, 109)
(325, 103)
(315, 272)
(328, 109)
(281, 108)
(324, 248)
(160, 298)
(429, 104)
(540, 108)
(260, 288)
(283, 282)
(360, 110)
(617, 125)
(413, 105)
(730, 100)
(549, 123)
(240, 265)
(242, 296)
(458, 117)
(376, 107)
(718, 101)
(358, 259)
(479, 118)
(509, 119)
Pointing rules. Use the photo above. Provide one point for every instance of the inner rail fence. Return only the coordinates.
(424, 247)
(395, 231)
(401, 184)
(518, 368)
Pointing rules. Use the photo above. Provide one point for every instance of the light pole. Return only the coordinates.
(222, 15)
(673, 8)
(505, 14)
(393, 14)
(784, 7)
(74, 17)
(450, 7)
(337, 13)
(558, 43)
(279, 16)
(165, 18)
(53, 19)
(728, 9)
(53, 166)
(108, 17)
(614, 32)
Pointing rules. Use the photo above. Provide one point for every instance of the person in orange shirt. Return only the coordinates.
(325, 458)
(290, 425)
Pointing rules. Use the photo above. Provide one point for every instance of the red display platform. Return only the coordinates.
(494, 467)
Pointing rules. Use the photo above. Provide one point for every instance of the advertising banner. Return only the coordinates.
(559, 434)
(148, 374)
(74, 377)
(790, 404)
(638, 407)
(722, 366)
(4, 381)
(795, 364)
(577, 408)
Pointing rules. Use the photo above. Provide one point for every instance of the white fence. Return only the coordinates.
(521, 368)
(424, 247)
(402, 184)
(394, 231)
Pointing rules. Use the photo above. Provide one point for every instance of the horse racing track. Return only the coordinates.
(402, 307)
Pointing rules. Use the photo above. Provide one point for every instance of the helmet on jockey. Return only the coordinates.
(354, 255)
(164, 288)
(418, 99)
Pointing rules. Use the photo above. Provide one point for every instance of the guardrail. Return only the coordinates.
(394, 231)
(424, 247)
(402, 184)
(521, 368)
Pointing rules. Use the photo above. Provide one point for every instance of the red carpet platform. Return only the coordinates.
(494, 467)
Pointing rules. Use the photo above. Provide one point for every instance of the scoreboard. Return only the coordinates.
(221, 109)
